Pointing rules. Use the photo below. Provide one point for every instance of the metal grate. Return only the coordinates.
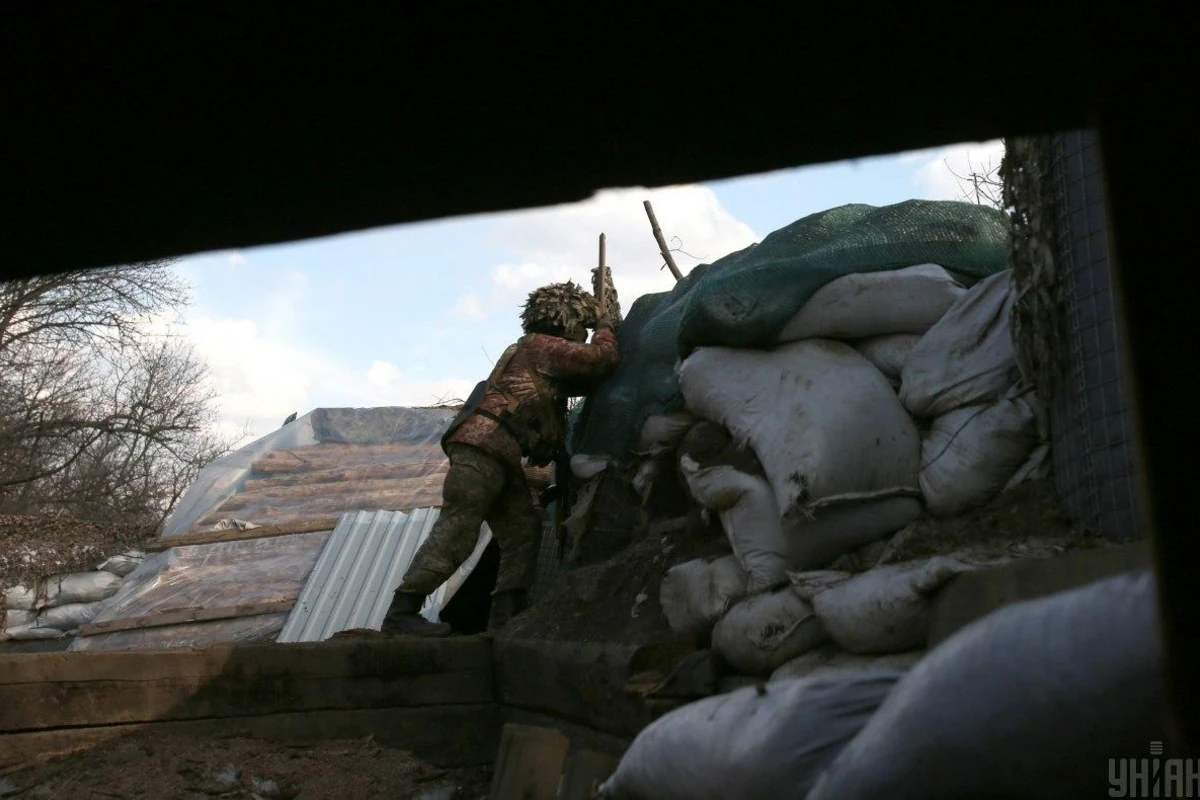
(1092, 433)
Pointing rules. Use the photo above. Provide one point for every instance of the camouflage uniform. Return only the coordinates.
(485, 481)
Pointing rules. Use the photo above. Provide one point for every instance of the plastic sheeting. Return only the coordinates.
(323, 464)
(244, 577)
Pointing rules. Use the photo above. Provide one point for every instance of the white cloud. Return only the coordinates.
(235, 258)
(937, 176)
(561, 243)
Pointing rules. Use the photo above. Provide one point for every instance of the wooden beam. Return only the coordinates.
(445, 736)
(183, 616)
(262, 532)
(334, 657)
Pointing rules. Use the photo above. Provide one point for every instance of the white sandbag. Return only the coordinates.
(68, 617)
(886, 609)
(764, 631)
(661, 433)
(696, 593)
(585, 467)
(1030, 701)
(830, 658)
(16, 617)
(888, 353)
(748, 744)
(749, 516)
(22, 597)
(822, 420)
(123, 563)
(30, 632)
(645, 476)
(840, 525)
(863, 304)
(970, 454)
(967, 357)
(77, 587)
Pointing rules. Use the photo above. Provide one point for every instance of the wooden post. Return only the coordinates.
(529, 764)
(662, 243)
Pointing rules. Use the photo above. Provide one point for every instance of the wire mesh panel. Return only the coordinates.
(1093, 438)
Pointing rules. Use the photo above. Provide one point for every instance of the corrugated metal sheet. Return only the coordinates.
(363, 562)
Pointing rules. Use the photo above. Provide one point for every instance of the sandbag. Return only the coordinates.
(22, 597)
(967, 357)
(16, 617)
(864, 304)
(886, 609)
(696, 593)
(1029, 701)
(585, 467)
(888, 353)
(821, 419)
(830, 658)
(749, 516)
(662, 432)
(970, 454)
(123, 563)
(748, 744)
(764, 631)
(68, 617)
(30, 632)
(808, 585)
(77, 587)
(842, 524)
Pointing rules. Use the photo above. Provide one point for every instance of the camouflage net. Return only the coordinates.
(1039, 310)
(746, 298)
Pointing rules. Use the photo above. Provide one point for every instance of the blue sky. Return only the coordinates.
(414, 314)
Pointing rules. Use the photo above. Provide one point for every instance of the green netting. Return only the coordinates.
(746, 298)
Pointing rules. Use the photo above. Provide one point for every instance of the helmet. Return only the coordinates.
(557, 308)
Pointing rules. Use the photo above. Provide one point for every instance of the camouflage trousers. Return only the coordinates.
(479, 488)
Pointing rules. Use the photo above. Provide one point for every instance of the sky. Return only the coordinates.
(415, 314)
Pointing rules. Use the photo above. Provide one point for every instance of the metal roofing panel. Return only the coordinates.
(366, 557)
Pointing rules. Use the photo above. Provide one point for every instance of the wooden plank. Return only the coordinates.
(349, 475)
(584, 772)
(198, 537)
(182, 616)
(45, 706)
(332, 455)
(582, 737)
(446, 736)
(972, 595)
(333, 657)
(529, 763)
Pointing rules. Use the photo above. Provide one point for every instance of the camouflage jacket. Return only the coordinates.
(565, 369)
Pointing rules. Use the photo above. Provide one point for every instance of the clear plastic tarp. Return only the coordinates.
(168, 601)
(330, 461)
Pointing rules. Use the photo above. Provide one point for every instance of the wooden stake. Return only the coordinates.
(600, 287)
(662, 243)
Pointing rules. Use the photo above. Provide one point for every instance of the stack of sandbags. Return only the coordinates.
(57, 605)
(1032, 700)
(986, 430)
(756, 742)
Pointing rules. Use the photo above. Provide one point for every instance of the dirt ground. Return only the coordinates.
(189, 768)
(617, 600)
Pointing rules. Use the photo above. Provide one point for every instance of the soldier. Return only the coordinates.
(519, 411)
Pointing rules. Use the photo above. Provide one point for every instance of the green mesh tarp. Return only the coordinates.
(746, 298)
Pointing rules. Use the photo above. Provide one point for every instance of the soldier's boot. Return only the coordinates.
(404, 618)
(505, 606)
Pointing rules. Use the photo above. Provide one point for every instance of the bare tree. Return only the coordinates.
(98, 417)
(982, 184)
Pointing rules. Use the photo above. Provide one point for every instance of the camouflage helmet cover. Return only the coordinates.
(559, 306)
